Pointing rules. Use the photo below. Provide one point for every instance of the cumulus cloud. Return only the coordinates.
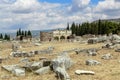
(110, 8)
(36, 15)
(79, 4)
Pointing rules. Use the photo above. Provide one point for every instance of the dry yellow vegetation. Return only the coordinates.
(108, 70)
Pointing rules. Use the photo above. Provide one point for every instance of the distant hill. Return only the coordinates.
(111, 20)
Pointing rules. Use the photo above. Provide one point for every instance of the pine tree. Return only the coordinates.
(22, 33)
(1, 36)
(73, 28)
(19, 32)
(99, 27)
(68, 28)
(25, 33)
(29, 33)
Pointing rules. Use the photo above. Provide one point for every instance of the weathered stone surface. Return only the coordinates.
(47, 63)
(14, 69)
(5, 77)
(94, 50)
(84, 72)
(15, 47)
(92, 53)
(30, 66)
(62, 74)
(21, 54)
(106, 56)
(42, 70)
(92, 40)
(9, 67)
(19, 72)
(62, 60)
(24, 60)
(109, 46)
(102, 38)
(117, 50)
(115, 37)
(38, 44)
(1, 60)
(46, 51)
(92, 62)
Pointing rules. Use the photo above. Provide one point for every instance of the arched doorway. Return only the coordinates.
(21, 38)
(56, 38)
(62, 37)
(68, 37)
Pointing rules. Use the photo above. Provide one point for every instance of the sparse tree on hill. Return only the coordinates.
(1, 36)
(29, 33)
(68, 28)
(73, 28)
(19, 32)
(23, 33)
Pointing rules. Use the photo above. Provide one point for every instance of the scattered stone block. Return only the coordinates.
(62, 74)
(15, 47)
(9, 67)
(62, 60)
(42, 70)
(19, 72)
(14, 69)
(108, 45)
(46, 51)
(24, 60)
(38, 44)
(92, 53)
(47, 63)
(117, 50)
(30, 66)
(92, 62)
(106, 56)
(79, 72)
(92, 40)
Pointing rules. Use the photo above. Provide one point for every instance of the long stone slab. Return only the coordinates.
(84, 72)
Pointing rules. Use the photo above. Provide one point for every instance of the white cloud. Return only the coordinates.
(31, 14)
(109, 8)
(79, 4)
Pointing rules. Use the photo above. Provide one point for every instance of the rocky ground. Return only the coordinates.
(107, 70)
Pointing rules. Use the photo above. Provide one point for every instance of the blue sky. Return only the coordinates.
(52, 14)
(67, 1)
(56, 1)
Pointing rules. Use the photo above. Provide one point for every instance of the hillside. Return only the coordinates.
(111, 20)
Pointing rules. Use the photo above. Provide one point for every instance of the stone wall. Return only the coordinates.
(46, 36)
(59, 34)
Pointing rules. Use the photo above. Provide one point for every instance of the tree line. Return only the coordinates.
(23, 33)
(97, 28)
(4, 37)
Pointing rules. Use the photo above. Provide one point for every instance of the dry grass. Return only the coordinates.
(108, 70)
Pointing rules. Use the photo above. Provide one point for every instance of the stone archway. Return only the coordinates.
(68, 37)
(21, 38)
(56, 38)
(62, 37)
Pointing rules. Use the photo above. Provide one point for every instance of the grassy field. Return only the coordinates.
(108, 70)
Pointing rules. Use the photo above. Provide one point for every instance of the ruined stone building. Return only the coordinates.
(55, 35)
